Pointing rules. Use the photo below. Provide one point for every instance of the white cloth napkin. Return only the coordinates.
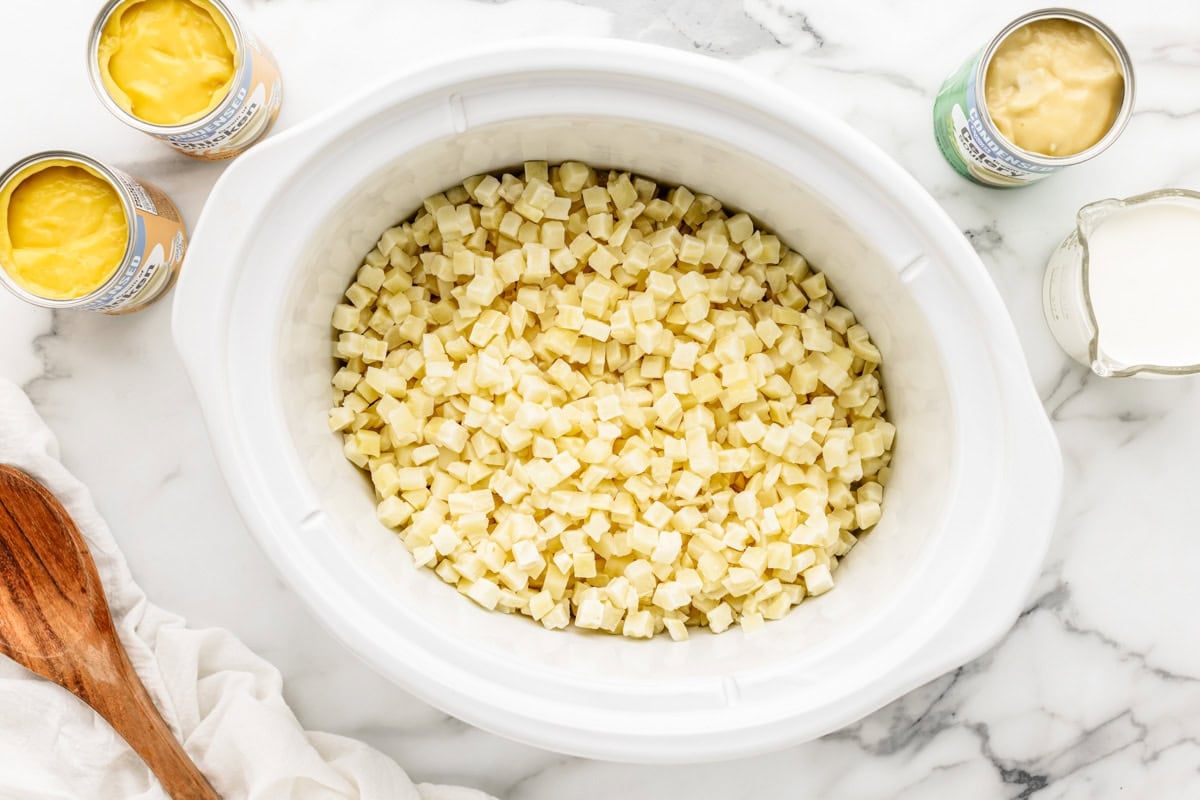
(221, 700)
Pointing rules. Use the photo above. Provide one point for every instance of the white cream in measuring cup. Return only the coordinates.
(1122, 291)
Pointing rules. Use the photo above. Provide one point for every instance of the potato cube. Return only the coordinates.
(740, 228)
(720, 618)
(573, 176)
(817, 579)
(639, 625)
(393, 512)
(541, 604)
(670, 595)
(484, 592)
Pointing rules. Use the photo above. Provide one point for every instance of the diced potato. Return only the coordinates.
(720, 618)
(573, 176)
(585, 397)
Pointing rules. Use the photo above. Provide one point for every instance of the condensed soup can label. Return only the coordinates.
(155, 245)
(158, 241)
(243, 117)
(964, 138)
(970, 141)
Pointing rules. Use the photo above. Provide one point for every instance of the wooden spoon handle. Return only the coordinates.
(55, 621)
(122, 699)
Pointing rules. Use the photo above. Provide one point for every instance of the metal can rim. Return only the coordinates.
(1118, 49)
(130, 219)
(133, 121)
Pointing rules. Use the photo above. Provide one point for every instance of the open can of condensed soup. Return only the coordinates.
(1004, 118)
(185, 72)
(77, 234)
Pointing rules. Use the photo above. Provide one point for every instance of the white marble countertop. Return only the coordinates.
(1095, 692)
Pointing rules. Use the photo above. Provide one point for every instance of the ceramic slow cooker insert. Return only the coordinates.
(975, 486)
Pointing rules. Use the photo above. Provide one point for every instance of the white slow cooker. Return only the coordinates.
(976, 482)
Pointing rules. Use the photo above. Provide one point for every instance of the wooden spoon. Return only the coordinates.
(54, 621)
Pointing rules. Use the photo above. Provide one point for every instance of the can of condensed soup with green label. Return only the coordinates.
(159, 63)
(76, 234)
(969, 137)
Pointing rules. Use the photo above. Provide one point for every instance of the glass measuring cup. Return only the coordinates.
(1067, 296)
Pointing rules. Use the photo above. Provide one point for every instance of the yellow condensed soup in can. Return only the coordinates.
(1054, 87)
(185, 72)
(76, 234)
